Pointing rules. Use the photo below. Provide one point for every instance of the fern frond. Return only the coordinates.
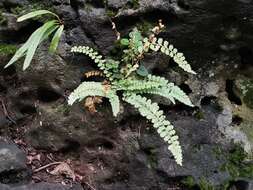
(93, 74)
(164, 128)
(108, 66)
(168, 49)
(167, 90)
(95, 89)
(86, 89)
(91, 53)
(134, 84)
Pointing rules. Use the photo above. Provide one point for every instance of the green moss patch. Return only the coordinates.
(236, 164)
(6, 49)
(246, 88)
(3, 20)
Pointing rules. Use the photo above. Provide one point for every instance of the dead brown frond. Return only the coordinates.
(93, 74)
(157, 29)
(90, 103)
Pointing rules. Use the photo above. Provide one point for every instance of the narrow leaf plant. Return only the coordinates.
(29, 48)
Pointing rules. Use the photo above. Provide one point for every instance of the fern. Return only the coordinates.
(164, 128)
(29, 48)
(133, 80)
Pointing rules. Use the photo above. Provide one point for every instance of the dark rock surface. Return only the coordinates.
(126, 153)
(13, 167)
(41, 186)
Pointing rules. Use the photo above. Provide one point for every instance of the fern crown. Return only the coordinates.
(133, 80)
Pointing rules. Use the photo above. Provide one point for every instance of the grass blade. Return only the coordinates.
(34, 14)
(38, 36)
(56, 39)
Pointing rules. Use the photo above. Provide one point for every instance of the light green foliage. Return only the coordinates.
(164, 128)
(28, 49)
(133, 80)
(95, 89)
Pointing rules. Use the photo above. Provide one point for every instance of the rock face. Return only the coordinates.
(42, 186)
(126, 153)
(13, 163)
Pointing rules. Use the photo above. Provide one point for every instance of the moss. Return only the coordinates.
(133, 4)
(17, 10)
(247, 127)
(6, 49)
(3, 20)
(152, 157)
(117, 50)
(189, 181)
(205, 185)
(246, 90)
(34, 6)
(248, 98)
(199, 115)
(111, 13)
(145, 27)
(236, 165)
(63, 109)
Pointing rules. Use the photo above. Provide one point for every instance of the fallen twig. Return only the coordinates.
(46, 166)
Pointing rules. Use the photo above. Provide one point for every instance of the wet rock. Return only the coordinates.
(42, 186)
(199, 150)
(78, 37)
(250, 186)
(116, 4)
(237, 134)
(13, 3)
(50, 72)
(4, 187)
(96, 25)
(63, 128)
(13, 167)
(11, 22)
(145, 6)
